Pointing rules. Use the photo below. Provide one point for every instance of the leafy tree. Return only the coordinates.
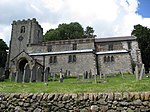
(3, 53)
(51, 34)
(68, 31)
(89, 32)
(143, 37)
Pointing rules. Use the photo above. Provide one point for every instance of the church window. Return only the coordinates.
(49, 48)
(105, 59)
(129, 45)
(72, 59)
(112, 59)
(110, 47)
(22, 29)
(38, 35)
(74, 46)
(108, 59)
(53, 59)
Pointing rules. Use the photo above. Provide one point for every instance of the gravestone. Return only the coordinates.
(27, 73)
(61, 76)
(39, 74)
(33, 74)
(1, 72)
(66, 74)
(90, 74)
(69, 73)
(46, 73)
(86, 74)
(19, 76)
(141, 72)
(13, 77)
(7, 72)
(136, 72)
(54, 77)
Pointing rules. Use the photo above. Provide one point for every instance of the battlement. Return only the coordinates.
(33, 20)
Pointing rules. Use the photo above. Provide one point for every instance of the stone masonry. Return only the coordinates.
(80, 102)
(98, 55)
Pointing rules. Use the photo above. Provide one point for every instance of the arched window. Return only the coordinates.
(74, 58)
(69, 59)
(108, 59)
(22, 30)
(112, 59)
(105, 59)
(53, 59)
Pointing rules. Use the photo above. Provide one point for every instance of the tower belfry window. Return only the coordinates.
(22, 30)
(74, 46)
(110, 47)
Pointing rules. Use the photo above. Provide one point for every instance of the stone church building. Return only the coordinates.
(30, 58)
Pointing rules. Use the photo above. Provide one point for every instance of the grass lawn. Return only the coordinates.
(72, 85)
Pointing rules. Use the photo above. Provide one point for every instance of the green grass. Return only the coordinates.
(72, 85)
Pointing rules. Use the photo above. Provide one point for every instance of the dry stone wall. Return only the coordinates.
(83, 102)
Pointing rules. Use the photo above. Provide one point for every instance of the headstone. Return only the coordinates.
(54, 77)
(100, 75)
(141, 72)
(86, 74)
(46, 73)
(7, 72)
(69, 73)
(33, 74)
(19, 76)
(136, 72)
(66, 74)
(90, 74)
(13, 77)
(1, 71)
(39, 74)
(61, 76)
(27, 73)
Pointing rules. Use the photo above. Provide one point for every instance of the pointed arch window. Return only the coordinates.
(108, 59)
(22, 30)
(112, 59)
(105, 59)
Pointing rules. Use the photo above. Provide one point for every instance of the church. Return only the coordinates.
(30, 58)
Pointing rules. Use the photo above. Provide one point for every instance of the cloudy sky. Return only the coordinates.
(107, 17)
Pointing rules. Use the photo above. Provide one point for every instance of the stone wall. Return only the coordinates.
(121, 63)
(67, 45)
(83, 102)
(84, 62)
(105, 46)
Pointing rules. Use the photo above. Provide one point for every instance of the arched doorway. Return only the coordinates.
(22, 64)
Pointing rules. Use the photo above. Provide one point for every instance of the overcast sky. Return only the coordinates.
(107, 17)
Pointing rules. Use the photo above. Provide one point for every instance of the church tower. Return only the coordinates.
(24, 33)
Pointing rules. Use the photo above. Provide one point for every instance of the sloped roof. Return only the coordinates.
(62, 52)
(111, 39)
(112, 52)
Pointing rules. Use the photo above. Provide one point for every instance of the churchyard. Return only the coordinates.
(80, 84)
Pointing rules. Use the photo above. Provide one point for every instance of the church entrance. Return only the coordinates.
(22, 65)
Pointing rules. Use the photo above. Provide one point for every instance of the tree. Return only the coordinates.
(51, 34)
(89, 32)
(3, 53)
(68, 31)
(143, 37)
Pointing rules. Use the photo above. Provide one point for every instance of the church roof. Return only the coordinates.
(62, 52)
(112, 52)
(111, 39)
